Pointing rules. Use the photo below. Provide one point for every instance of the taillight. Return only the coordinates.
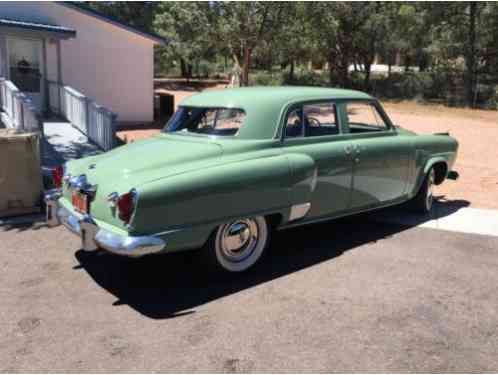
(126, 205)
(57, 176)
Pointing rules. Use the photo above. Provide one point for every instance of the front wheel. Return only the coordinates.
(238, 245)
(424, 200)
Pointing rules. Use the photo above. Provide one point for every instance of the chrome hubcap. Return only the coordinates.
(430, 184)
(239, 239)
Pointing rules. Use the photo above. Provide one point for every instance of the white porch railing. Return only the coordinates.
(19, 112)
(95, 121)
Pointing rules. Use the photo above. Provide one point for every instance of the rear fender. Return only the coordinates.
(214, 195)
(303, 178)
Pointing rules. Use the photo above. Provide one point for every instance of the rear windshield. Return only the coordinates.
(209, 121)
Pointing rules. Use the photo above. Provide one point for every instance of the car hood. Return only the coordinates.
(146, 160)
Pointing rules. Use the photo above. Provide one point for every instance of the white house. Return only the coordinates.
(65, 43)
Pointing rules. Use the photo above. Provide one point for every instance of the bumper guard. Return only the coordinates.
(94, 237)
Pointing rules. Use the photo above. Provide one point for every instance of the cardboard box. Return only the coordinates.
(20, 173)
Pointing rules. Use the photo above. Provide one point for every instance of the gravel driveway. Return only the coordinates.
(349, 295)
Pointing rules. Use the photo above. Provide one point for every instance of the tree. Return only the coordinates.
(294, 43)
(336, 27)
(188, 26)
(136, 13)
(463, 30)
(372, 34)
(243, 26)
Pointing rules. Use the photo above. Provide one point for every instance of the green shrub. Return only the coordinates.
(358, 80)
(305, 77)
(409, 85)
(264, 78)
(490, 98)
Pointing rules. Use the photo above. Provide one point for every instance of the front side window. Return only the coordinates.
(364, 117)
(209, 121)
(312, 120)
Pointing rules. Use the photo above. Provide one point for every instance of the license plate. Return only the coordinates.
(80, 202)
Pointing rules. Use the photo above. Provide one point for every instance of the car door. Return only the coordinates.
(380, 156)
(312, 131)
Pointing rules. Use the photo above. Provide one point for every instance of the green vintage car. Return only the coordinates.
(233, 165)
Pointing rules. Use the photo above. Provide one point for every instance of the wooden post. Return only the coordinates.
(87, 113)
(59, 75)
(114, 119)
(3, 57)
(20, 121)
(44, 80)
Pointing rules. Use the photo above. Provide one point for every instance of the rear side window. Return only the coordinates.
(294, 127)
(312, 120)
(209, 121)
(364, 117)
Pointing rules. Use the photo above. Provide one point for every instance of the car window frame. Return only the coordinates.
(299, 105)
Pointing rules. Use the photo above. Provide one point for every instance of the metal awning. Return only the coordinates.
(11, 26)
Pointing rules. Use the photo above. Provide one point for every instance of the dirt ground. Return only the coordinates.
(475, 130)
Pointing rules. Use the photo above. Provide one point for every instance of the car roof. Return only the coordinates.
(264, 105)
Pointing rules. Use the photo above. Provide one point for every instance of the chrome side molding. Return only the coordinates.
(299, 211)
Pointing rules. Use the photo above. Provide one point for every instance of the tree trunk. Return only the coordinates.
(245, 67)
(183, 68)
(189, 72)
(344, 73)
(331, 70)
(366, 81)
(470, 59)
(407, 61)
(291, 71)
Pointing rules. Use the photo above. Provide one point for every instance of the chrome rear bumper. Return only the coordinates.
(94, 237)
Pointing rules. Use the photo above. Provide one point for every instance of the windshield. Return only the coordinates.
(209, 121)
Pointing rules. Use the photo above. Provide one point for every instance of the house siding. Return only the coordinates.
(110, 64)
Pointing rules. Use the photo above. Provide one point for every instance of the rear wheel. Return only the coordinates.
(424, 200)
(238, 245)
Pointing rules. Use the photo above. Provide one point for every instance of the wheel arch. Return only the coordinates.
(440, 166)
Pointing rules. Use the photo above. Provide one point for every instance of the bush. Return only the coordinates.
(409, 85)
(490, 97)
(205, 69)
(305, 77)
(264, 78)
(434, 85)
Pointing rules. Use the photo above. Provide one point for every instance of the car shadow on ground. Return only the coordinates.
(167, 286)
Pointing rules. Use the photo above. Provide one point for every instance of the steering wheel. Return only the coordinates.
(313, 121)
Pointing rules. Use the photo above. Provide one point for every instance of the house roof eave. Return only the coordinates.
(20, 26)
(91, 12)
